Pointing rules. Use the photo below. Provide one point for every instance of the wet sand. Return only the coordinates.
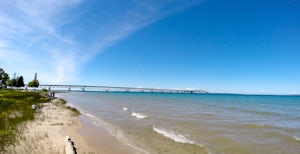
(101, 140)
(53, 122)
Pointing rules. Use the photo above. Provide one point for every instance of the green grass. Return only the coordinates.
(74, 110)
(15, 108)
(63, 103)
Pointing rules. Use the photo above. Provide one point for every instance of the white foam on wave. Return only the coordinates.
(296, 138)
(73, 105)
(138, 115)
(174, 136)
(89, 115)
(125, 108)
(261, 125)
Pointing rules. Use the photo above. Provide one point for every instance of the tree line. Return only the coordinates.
(16, 81)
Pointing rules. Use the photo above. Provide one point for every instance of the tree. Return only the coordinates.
(4, 77)
(1, 73)
(20, 82)
(12, 83)
(34, 82)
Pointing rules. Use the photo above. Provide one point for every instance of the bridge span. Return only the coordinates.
(69, 88)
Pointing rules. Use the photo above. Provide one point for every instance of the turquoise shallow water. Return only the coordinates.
(196, 123)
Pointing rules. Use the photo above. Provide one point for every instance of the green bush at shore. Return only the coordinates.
(63, 103)
(15, 108)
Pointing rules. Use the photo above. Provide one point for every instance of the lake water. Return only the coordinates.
(195, 123)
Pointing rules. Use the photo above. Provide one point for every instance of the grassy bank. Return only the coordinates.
(62, 102)
(15, 108)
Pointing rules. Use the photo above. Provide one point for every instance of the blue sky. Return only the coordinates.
(228, 46)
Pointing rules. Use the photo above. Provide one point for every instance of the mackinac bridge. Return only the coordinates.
(83, 88)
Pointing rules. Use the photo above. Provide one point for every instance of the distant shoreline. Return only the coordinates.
(185, 91)
(208, 93)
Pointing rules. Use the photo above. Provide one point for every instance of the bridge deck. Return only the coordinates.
(115, 88)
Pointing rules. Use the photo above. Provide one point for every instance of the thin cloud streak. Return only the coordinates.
(141, 14)
(28, 27)
(57, 38)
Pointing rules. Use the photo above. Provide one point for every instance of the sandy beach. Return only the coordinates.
(53, 122)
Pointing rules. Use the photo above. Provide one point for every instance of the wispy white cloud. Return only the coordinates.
(27, 28)
(56, 38)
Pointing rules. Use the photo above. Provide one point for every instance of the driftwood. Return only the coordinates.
(56, 124)
(70, 147)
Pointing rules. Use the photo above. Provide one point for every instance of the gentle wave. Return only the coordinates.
(296, 138)
(265, 113)
(172, 135)
(89, 115)
(125, 108)
(138, 115)
(117, 133)
(254, 125)
(260, 126)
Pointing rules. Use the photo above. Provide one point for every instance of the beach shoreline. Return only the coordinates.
(105, 127)
(100, 140)
(53, 122)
